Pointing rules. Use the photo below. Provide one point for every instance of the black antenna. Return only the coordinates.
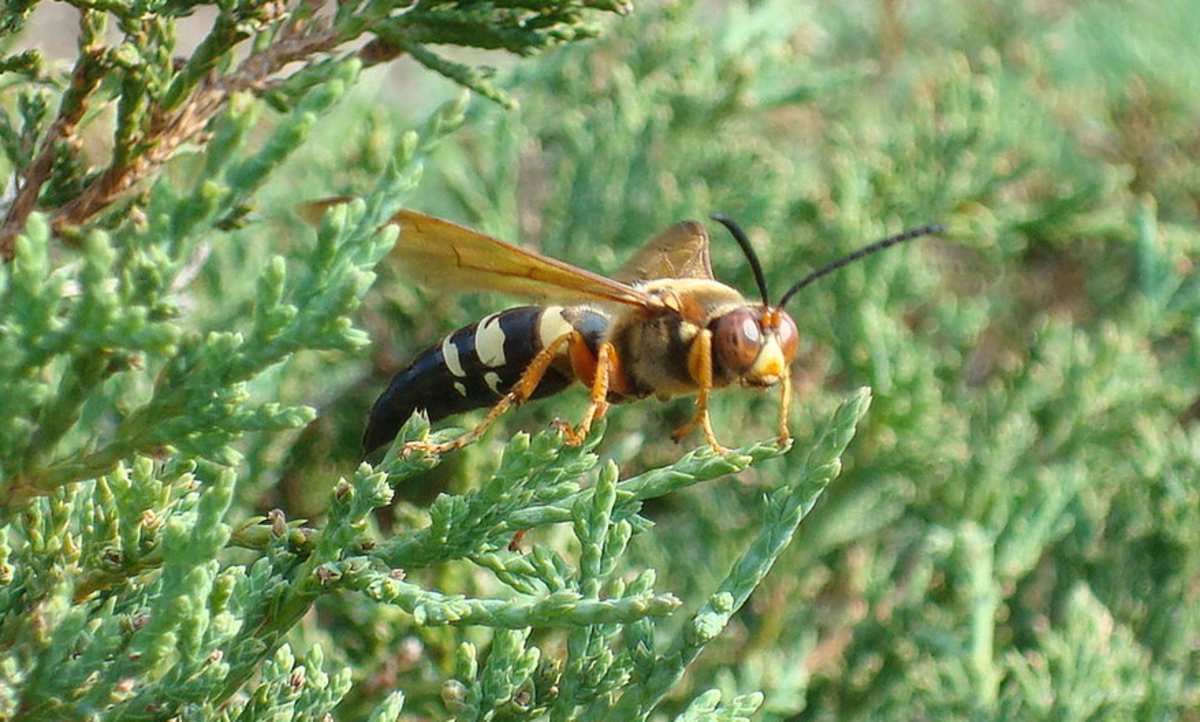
(860, 253)
(740, 237)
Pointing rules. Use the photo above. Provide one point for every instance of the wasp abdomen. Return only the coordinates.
(476, 365)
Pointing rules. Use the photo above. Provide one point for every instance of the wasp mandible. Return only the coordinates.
(661, 326)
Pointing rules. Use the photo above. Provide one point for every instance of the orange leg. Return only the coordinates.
(700, 369)
(605, 362)
(520, 393)
(785, 402)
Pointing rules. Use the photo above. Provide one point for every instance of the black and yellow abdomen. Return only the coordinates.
(477, 364)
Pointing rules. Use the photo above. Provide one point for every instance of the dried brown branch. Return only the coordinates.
(84, 80)
(170, 130)
(161, 107)
(167, 131)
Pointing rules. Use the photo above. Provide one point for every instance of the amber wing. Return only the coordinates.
(440, 254)
(680, 251)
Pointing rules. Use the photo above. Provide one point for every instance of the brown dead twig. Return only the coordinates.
(84, 80)
(166, 132)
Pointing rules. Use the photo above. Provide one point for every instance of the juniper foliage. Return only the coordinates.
(1013, 535)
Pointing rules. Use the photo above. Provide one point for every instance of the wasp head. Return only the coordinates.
(755, 343)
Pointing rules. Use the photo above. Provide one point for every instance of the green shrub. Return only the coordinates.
(184, 366)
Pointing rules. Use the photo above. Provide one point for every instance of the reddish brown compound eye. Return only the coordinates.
(789, 336)
(737, 339)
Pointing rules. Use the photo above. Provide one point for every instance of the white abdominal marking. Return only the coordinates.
(453, 362)
(489, 342)
(553, 325)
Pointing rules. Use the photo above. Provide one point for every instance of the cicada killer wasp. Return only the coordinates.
(661, 326)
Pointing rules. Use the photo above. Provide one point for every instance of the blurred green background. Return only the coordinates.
(1015, 534)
